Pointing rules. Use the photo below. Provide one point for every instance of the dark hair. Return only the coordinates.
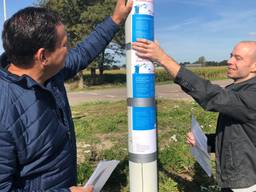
(28, 30)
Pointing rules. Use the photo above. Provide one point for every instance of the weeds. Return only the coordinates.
(102, 131)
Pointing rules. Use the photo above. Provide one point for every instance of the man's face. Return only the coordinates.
(56, 58)
(240, 63)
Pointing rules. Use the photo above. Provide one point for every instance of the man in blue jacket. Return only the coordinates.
(235, 140)
(37, 139)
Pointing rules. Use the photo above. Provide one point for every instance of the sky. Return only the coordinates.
(189, 29)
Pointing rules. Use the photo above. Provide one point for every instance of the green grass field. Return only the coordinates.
(102, 131)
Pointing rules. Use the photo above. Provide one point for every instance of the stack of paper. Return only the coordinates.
(101, 174)
(199, 151)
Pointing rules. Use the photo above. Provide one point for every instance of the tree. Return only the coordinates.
(201, 60)
(80, 17)
(223, 63)
(185, 63)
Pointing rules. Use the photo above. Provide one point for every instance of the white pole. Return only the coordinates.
(4, 4)
(142, 134)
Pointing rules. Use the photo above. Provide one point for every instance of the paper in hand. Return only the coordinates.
(200, 151)
(101, 174)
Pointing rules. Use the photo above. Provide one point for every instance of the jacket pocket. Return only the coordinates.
(234, 156)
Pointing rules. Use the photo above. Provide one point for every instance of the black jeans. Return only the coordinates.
(226, 190)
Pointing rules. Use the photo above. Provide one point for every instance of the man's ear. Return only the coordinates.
(41, 56)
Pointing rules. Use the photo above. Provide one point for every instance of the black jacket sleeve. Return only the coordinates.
(84, 53)
(240, 105)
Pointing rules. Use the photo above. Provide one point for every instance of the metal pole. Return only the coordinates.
(4, 5)
(142, 134)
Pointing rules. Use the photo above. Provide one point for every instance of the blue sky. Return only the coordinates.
(188, 29)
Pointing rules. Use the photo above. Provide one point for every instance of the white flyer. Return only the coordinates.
(101, 174)
(200, 150)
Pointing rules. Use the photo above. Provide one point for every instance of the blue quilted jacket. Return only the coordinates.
(37, 139)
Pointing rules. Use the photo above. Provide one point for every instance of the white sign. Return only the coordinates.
(143, 142)
(200, 150)
(101, 174)
(143, 7)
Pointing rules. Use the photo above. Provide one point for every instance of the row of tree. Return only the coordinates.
(203, 62)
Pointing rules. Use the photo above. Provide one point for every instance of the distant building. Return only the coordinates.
(193, 65)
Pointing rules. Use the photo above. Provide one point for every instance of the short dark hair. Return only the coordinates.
(28, 30)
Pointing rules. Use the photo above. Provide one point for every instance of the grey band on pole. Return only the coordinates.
(141, 102)
(128, 46)
(139, 158)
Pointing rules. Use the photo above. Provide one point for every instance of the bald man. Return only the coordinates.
(235, 139)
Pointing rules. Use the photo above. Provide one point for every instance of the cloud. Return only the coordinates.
(231, 20)
(194, 3)
(223, 21)
(185, 23)
(210, 30)
(252, 34)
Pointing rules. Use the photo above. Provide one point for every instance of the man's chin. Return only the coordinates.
(235, 79)
(230, 75)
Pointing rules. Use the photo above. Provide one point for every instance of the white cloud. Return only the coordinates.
(252, 34)
(224, 22)
(185, 23)
(194, 3)
(230, 20)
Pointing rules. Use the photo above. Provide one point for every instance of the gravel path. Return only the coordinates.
(168, 91)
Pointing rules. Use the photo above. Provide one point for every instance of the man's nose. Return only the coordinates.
(230, 61)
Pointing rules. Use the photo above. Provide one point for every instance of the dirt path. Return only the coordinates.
(168, 91)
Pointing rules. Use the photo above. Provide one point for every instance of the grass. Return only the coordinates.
(102, 131)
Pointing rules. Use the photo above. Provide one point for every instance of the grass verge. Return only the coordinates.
(102, 131)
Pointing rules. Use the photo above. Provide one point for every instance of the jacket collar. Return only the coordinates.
(23, 80)
(237, 86)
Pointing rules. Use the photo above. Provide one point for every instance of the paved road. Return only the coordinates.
(169, 91)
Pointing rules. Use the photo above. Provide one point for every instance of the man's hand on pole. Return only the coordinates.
(122, 11)
(147, 49)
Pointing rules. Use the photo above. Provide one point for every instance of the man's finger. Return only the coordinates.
(129, 5)
(140, 47)
(142, 40)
